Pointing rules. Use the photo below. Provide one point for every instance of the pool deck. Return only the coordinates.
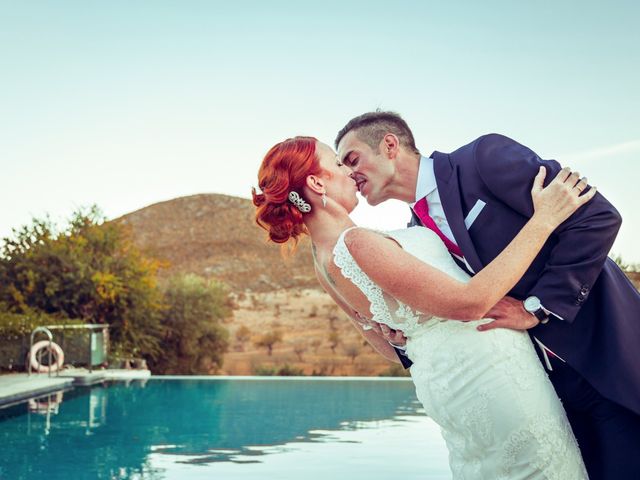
(17, 387)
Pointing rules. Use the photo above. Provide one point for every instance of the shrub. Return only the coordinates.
(395, 370)
(243, 334)
(194, 340)
(352, 350)
(268, 340)
(90, 271)
(334, 340)
(285, 370)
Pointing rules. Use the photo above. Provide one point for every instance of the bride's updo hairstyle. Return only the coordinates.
(284, 169)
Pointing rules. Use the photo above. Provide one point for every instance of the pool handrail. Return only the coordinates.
(46, 331)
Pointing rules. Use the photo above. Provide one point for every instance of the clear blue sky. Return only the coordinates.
(126, 103)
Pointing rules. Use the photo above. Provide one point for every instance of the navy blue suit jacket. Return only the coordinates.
(600, 334)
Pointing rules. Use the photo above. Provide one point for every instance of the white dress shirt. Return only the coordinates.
(427, 187)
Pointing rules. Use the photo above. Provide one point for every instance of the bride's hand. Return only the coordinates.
(557, 201)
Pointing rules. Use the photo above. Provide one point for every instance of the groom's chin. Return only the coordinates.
(355, 203)
(373, 201)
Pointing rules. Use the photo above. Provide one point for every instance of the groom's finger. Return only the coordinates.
(584, 198)
(504, 322)
(573, 179)
(562, 175)
(491, 325)
(399, 338)
(582, 184)
(538, 182)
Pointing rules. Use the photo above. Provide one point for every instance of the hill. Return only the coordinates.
(216, 236)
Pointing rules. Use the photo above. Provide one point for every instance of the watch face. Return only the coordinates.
(532, 304)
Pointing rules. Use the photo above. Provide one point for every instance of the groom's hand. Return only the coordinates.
(395, 337)
(509, 313)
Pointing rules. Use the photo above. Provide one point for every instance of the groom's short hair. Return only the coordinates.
(371, 127)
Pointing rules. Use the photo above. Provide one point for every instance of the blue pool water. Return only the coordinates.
(185, 428)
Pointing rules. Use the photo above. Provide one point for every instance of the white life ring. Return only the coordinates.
(56, 353)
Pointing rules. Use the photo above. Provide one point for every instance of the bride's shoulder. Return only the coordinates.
(364, 233)
(358, 240)
(357, 234)
(409, 232)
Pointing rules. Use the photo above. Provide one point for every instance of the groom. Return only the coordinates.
(579, 308)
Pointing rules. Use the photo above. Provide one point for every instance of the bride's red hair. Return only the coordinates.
(284, 169)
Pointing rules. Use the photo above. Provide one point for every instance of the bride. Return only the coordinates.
(498, 412)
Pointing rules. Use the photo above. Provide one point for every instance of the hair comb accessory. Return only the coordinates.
(299, 202)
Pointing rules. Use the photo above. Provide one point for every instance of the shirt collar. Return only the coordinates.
(426, 182)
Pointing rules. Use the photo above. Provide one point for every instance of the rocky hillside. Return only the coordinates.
(216, 236)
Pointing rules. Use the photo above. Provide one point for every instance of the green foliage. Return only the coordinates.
(89, 271)
(624, 266)
(352, 350)
(285, 370)
(265, 370)
(243, 334)
(334, 340)
(194, 340)
(395, 370)
(268, 340)
(15, 326)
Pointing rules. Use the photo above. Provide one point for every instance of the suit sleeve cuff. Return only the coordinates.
(549, 312)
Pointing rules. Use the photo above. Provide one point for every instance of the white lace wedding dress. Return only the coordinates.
(498, 412)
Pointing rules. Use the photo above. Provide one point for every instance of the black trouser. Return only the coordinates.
(608, 434)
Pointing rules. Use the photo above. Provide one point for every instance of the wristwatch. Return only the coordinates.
(534, 307)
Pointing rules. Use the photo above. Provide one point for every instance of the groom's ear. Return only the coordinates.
(390, 145)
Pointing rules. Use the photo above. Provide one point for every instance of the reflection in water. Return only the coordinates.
(129, 430)
(406, 447)
(47, 404)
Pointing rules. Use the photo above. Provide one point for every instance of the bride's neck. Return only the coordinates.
(326, 224)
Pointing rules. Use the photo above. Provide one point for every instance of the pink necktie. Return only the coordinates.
(421, 209)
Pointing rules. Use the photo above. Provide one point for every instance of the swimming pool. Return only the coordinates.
(212, 427)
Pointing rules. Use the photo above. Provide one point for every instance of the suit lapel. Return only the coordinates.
(449, 191)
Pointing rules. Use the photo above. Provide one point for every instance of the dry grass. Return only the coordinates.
(303, 316)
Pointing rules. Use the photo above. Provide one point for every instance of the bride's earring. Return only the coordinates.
(324, 199)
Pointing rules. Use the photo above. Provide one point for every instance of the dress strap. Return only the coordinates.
(351, 271)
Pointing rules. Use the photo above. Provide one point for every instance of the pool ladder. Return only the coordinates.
(47, 332)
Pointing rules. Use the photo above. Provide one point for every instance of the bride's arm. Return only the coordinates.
(376, 341)
(432, 291)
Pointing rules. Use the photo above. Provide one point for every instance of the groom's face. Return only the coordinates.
(340, 187)
(372, 171)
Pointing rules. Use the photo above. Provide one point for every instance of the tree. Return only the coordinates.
(243, 334)
(299, 347)
(194, 340)
(332, 316)
(268, 340)
(352, 350)
(624, 266)
(89, 270)
(334, 340)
